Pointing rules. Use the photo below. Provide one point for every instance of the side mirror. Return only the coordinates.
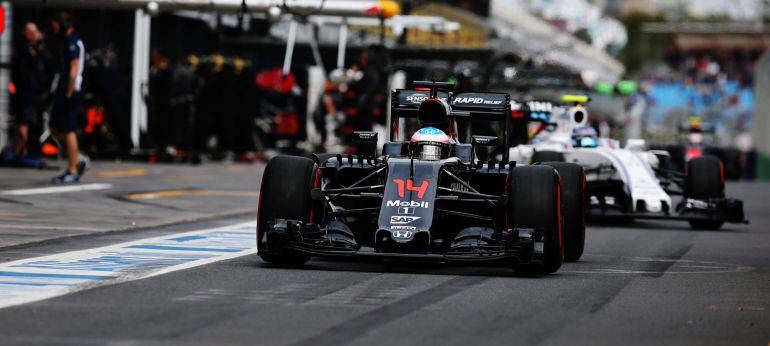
(365, 136)
(487, 141)
(367, 142)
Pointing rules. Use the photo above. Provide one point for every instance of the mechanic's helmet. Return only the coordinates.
(433, 112)
(585, 137)
(430, 143)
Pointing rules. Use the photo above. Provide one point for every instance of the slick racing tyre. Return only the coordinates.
(705, 179)
(573, 185)
(547, 155)
(732, 163)
(285, 194)
(534, 201)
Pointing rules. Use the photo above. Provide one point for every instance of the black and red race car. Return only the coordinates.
(427, 198)
(698, 139)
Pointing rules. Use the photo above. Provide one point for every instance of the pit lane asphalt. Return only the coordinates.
(648, 283)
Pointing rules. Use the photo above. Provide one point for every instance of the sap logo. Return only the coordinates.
(406, 211)
(400, 203)
(416, 98)
(402, 234)
(396, 220)
(476, 100)
(409, 184)
(411, 228)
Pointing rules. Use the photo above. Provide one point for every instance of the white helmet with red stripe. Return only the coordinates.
(430, 143)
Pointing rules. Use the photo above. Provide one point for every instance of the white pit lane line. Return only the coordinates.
(56, 189)
(33, 279)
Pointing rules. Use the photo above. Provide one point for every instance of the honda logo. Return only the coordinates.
(402, 234)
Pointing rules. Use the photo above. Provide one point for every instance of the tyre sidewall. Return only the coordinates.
(574, 199)
(285, 193)
(705, 178)
(534, 201)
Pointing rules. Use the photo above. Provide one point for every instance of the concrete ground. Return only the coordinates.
(125, 196)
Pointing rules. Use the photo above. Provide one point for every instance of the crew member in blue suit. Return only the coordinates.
(68, 95)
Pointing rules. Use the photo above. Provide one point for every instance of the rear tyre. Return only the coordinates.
(285, 194)
(705, 179)
(547, 155)
(573, 184)
(534, 201)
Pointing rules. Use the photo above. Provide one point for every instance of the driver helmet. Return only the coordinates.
(431, 144)
(585, 137)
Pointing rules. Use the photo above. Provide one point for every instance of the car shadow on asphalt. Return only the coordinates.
(647, 225)
(403, 267)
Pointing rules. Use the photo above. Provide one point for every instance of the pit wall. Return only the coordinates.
(761, 124)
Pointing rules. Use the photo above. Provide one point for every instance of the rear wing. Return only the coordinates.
(483, 106)
(487, 106)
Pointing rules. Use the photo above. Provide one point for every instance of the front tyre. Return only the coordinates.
(285, 194)
(534, 201)
(705, 179)
(573, 184)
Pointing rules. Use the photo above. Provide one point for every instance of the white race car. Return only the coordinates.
(627, 182)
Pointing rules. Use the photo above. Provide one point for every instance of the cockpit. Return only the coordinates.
(585, 137)
(431, 144)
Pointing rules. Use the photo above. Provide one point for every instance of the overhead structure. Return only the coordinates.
(381, 9)
(711, 36)
(523, 33)
(335, 29)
